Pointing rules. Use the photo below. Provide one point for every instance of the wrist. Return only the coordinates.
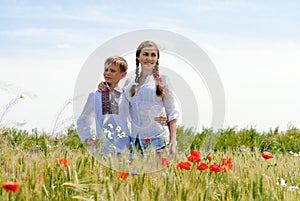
(88, 141)
(173, 142)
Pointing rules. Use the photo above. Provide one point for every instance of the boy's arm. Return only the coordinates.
(84, 121)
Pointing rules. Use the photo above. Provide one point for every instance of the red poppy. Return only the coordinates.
(123, 175)
(184, 165)
(227, 163)
(224, 161)
(202, 166)
(195, 156)
(230, 166)
(11, 186)
(64, 161)
(195, 153)
(267, 155)
(216, 168)
(147, 139)
(165, 162)
(209, 158)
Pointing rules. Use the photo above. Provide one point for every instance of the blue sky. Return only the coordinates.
(254, 45)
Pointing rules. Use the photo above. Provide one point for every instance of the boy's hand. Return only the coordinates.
(92, 142)
(102, 87)
(162, 119)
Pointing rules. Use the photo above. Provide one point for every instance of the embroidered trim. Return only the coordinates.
(110, 103)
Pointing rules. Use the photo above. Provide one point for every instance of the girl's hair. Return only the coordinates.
(159, 86)
(118, 61)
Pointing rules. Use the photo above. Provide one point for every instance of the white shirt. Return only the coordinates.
(111, 129)
(145, 105)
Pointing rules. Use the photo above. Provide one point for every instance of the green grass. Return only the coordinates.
(32, 160)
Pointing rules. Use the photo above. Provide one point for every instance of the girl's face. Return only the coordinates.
(148, 57)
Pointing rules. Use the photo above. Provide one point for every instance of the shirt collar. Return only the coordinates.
(118, 89)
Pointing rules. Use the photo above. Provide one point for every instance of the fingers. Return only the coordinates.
(172, 147)
(163, 120)
(91, 142)
(102, 87)
(172, 150)
(163, 117)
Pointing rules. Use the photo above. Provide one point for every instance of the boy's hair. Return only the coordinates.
(118, 61)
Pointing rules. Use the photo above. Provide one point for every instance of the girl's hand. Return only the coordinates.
(102, 87)
(172, 147)
(162, 119)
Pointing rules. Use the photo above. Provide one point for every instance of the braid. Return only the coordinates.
(136, 80)
(137, 71)
(160, 89)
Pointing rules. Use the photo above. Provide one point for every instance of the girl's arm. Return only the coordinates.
(172, 112)
(173, 141)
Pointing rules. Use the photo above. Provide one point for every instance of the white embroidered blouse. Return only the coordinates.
(145, 105)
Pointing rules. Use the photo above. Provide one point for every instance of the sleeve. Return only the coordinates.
(123, 117)
(85, 120)
(169, 100)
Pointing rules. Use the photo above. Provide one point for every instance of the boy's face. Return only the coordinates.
(112, 74)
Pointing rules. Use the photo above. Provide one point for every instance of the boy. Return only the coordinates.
(112, 132)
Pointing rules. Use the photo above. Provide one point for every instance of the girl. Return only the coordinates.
(147, 96)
